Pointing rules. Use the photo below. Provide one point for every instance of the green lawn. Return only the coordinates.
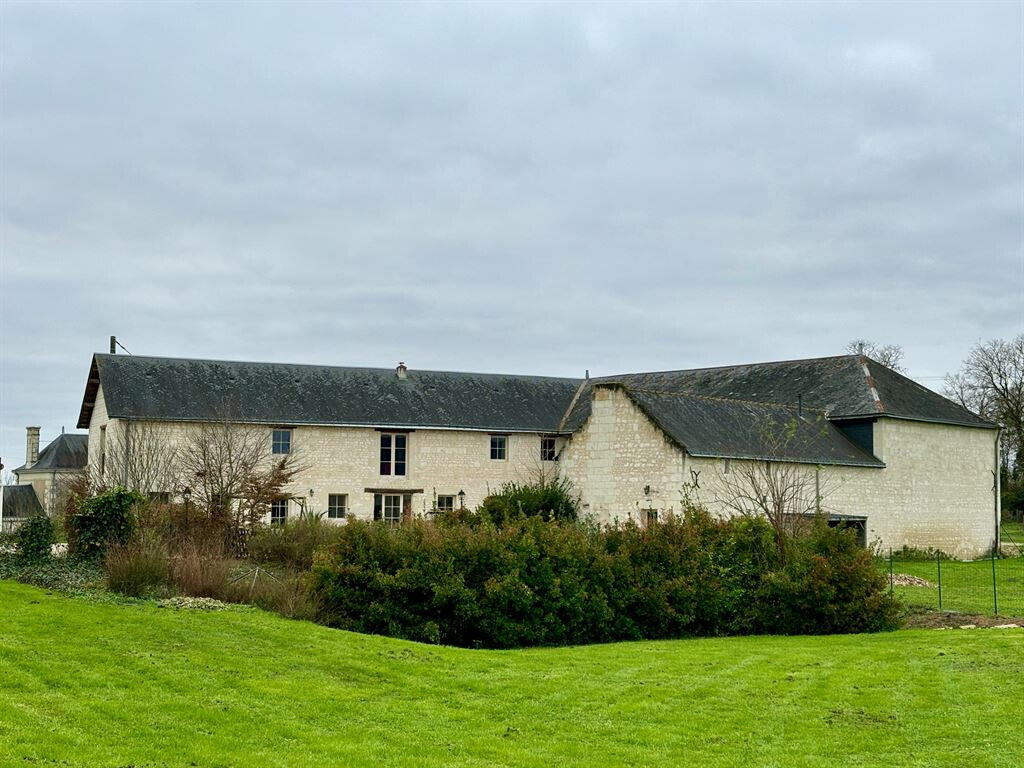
(104, 684)
(966, 587)
(1012, 532)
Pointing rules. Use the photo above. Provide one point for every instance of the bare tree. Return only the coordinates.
(141, 456)
(233, 474)
(991, 383)
(889, 355)
(788, 494)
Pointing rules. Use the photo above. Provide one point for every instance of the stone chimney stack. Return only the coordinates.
(31, 446)
(401, 370)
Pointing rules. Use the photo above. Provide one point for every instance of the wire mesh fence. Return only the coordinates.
(994, 585)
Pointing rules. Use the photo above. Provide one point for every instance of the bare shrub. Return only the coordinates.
(286, 593)
(137, 568)
(201, 570)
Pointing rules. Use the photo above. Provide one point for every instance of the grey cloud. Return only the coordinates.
(529, 188)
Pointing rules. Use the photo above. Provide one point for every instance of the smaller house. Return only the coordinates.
(46, 471)
(20, 503)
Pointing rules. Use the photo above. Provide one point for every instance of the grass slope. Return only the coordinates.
(99, 684)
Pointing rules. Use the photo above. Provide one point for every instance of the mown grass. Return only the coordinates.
(1012, 532)
(966, 586)
(105, 684)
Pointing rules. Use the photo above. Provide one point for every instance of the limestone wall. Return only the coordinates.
(346, 460)
(936, 489)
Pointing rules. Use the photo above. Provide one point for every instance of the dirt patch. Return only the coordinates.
(953, 620)
(906, 580)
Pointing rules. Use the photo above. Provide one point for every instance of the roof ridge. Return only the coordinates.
(107, 355)
(734, 365)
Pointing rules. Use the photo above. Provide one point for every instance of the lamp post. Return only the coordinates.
(462, 499)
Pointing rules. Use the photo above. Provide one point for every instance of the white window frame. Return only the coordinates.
(336, 512)
(278, 504)
(392, 449)
(389, 513)
(544, 440)
(274, 442)
(447, 507)
(503, 448)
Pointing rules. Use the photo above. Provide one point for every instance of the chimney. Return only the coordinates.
(401, 370)
(113, 345)
(31, 446)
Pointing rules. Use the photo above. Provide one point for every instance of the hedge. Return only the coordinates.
(531, 582)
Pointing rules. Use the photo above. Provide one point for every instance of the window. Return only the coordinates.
(392, 508)
(337, 505)
(281, 441)
(392, 453)
(728, 466)
(278, 511)
(651, 516)
(547, 449)
(103, 449)
(499, 445)
(445, 503)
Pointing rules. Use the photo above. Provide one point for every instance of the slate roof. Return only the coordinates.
(741, 429)
(67, 452)
(844, 387)
(274, 393)
(709, 411)
(21, 501)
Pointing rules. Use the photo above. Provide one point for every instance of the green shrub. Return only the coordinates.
(293, 544)
(528, 582)
(547, 498)
(34, 539)
(102, 520)
(831, 585)
(1012, 497)
(61, 574)
(138, 568)
(916, 554)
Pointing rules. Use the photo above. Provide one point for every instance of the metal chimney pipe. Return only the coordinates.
(113, 345)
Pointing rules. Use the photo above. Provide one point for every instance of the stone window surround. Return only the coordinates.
(337, 505)
(499, 447)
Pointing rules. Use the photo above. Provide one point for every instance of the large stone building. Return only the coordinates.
(905, 464)
(48, 470)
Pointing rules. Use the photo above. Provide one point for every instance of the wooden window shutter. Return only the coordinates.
(378, 504)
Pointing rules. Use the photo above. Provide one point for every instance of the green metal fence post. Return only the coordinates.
(995, 592)
(890, 571)
(938, 563)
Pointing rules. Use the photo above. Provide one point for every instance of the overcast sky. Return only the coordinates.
(526, 189)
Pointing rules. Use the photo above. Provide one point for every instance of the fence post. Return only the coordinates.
(995, 592)
(938, 562)
(890, 571)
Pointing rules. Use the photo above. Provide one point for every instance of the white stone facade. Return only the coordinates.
(346, 460)
(936, 489)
